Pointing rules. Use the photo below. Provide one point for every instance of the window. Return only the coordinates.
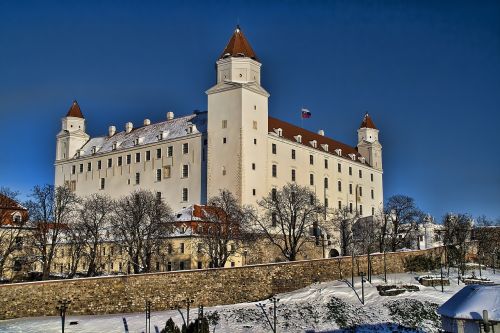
(166, 171)
(158, 196)
(254, 192)
(360, 209)
(253, 166)
(339, 167)
(293, 154)
(99, 165)
(339, 186)
(233, 264)
(350, 207)
(254, 141)
(110, 162)
(157, 266)
(158, 153)
(169, 266)
(360, 191)
(293, 175)
(200, 265)
(185, 171)
(182, 248)
(311, 179)
(137, 178)
(224, 124)
(224, 140)
(120, 160)
(81, 167)
(274, 194)
(311, 159)
(148, 155)
(312, 199)
(373, 211)
(326, 202)
(185, 148)
(223, 170)
(340, 204)
(350, 188)
(103, 183)
(274, 170)
(181, 265)
(254, 125)
(372, 194)
(169, 249)
(129, 159)
(360, 173)
(274, 219)
(137, 157)
(350, 171)
(73, 169)
(326, 163)
(371, 177)
(89, 166)
(185, 196)
(273, 148)
(326, 182)
(158, 175)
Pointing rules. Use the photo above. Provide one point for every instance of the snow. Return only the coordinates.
(470, 302)
(319, 307)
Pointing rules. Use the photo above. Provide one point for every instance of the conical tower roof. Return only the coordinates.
(367, 122)
(238, 46)
(74, 111)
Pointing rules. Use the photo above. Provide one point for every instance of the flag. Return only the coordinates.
(305, 114)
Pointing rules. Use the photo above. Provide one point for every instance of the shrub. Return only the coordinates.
(412, 312)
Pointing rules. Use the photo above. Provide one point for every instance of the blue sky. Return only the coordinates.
(427, 71)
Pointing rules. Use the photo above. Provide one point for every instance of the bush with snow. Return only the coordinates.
(413, 313)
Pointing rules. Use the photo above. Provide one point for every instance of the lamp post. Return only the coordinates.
(148, 316)
(188, 302)
(362, 274)
(62, 307)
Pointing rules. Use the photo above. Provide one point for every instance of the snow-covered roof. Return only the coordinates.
(470, 302)
(187, 214)
(169, 129)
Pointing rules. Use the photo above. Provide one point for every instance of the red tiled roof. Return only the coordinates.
(238, 46)
(367, 122)
(74, 111)
(290, 131)
(8, 203)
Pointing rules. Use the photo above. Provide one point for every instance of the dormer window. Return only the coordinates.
(163, 135)
(338, 151)
(279, 131)
(314, 143)
(94, 150)
(115, 145)
(362, 160)
(353, 157)
(325, 147)
(189, 130)
(298, 138)
(81, 152)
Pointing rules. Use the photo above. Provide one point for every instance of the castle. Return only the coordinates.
(235, 145)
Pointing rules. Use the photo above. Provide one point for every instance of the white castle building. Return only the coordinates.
(235, 145)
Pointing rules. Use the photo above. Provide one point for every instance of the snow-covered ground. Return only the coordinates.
(322, 307)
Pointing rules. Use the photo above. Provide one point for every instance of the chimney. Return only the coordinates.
(111, 130)
(128, 127)
(321, 132)
(170, 115)
(147, 122)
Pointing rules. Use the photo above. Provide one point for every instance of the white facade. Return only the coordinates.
(234, 146)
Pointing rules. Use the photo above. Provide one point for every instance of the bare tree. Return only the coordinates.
(288, 215)
(342, 221)
(456, 238)
(141, 221)
(403, 217)
(51, 211)
(225, 230)
(487, 237)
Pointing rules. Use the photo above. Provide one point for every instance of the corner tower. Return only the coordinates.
(368, 145)
(72, 135)
(237, 124)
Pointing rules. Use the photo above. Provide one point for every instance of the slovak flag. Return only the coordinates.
(306, 114)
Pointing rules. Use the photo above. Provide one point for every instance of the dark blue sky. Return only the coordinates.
(427, 71)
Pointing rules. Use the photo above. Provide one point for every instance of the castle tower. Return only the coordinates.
(72, 135)
(368, 145)
(237, 124)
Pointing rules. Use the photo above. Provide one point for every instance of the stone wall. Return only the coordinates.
(127, 293)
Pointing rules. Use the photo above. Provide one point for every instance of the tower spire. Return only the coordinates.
(74, 110)
(238, 46)
(367, 122)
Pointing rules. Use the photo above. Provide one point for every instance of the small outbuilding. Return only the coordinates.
(464, 312)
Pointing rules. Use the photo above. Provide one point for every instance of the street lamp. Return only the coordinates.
(362, 274)
(62, 307)
(188, 302)
(148, 316)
